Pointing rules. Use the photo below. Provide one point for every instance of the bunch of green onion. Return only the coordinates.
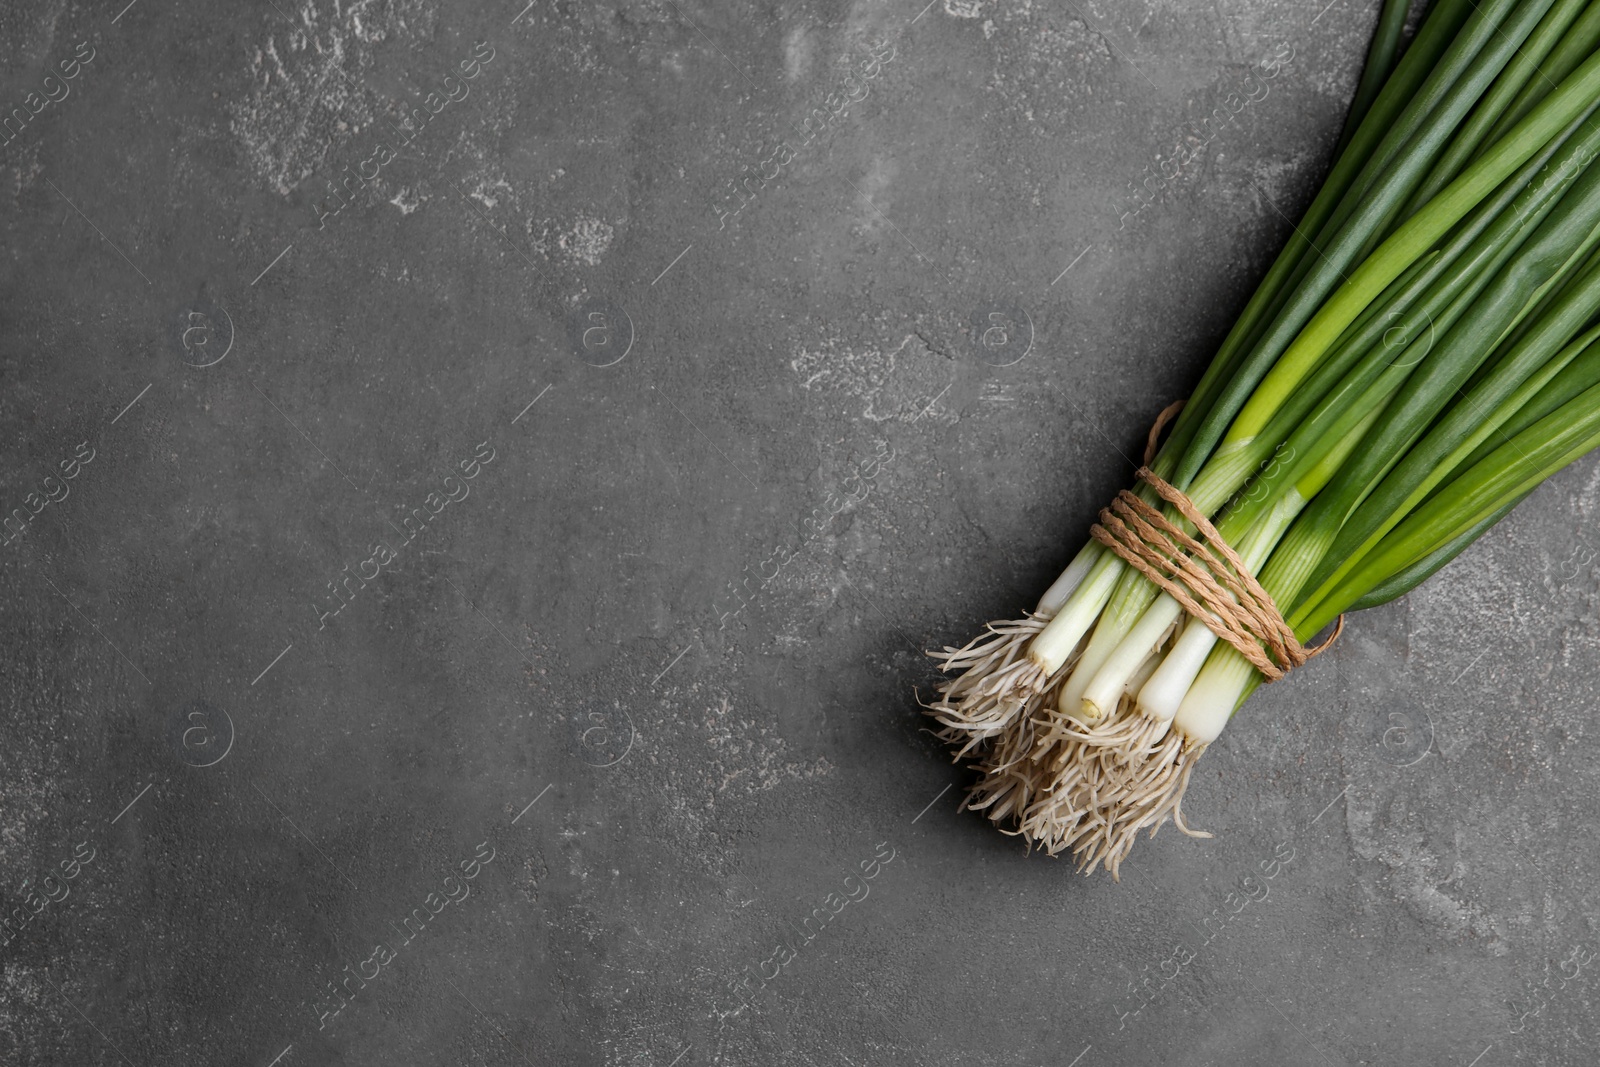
(1418, 359)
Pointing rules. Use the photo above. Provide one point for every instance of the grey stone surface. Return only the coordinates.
(650, 679)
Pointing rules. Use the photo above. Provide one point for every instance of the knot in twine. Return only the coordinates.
(1207, 578)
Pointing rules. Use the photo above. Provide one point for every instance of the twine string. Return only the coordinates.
(1151, 443)
(1206, 577)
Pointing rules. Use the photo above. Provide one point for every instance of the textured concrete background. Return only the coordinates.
(335, 755)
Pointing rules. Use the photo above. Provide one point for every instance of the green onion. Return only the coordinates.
(1423, 352)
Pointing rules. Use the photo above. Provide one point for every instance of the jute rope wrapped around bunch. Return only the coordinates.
(1226, 596)
(1207, 577)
